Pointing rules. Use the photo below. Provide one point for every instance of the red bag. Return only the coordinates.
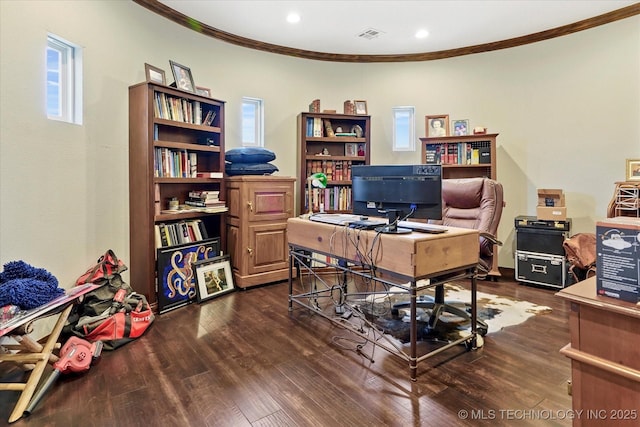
(105, 268)
(124, 322)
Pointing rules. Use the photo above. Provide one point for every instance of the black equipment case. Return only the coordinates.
(540, 257)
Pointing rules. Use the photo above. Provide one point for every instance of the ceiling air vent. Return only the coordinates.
(370, 33)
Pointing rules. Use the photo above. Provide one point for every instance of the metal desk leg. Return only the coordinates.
(291, 261)
(413, 331)
(474, 310)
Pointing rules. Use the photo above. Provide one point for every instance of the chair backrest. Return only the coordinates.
(474, 203)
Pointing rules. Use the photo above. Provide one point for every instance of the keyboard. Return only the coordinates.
(422, 227)
(335, 219)
(368, 224)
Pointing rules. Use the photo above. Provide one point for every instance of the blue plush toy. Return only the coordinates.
(26, 286)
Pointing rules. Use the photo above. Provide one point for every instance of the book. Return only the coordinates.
(208, 174)
(200, 204)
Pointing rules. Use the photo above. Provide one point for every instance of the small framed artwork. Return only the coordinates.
(154, 74)
(203, 91)
(213, 277)
(360, 107)
(460, 127)
(182, 76)
(351, 149)
(176, 280)
(437, 126)
(633, 169)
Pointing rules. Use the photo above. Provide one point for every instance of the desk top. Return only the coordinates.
(413, 255)
(585, 293)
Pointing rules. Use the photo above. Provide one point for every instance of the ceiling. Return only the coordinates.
(336, 27)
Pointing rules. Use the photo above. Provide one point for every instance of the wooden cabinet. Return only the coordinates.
(605, 357)
(259, 207)
(170, 146)
(331, 144)
(465, 156)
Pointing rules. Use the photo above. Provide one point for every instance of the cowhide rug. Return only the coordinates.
(498, 312)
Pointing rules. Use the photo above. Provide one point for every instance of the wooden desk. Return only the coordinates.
(407, 257)
(605, 357)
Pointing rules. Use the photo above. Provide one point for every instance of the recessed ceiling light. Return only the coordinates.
(422, 34)
(293, 18)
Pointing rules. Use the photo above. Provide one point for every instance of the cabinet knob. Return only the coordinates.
(250, 204)
(250, 251)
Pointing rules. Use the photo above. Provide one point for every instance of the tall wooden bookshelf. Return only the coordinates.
(171, 145)
(465, 156)
(331, 143)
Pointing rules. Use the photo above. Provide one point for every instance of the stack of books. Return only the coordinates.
(204, 199)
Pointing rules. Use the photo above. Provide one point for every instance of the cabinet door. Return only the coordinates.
(267, 248)
(270, 201)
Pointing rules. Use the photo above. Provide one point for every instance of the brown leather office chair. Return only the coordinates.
(475, 203)
(468, 203)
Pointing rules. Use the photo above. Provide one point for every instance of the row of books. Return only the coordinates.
(335, 170)
(181, 110)
(315, 127)
(336, 198)
(458, 153)
(172, 163)
(184, 208)
(177, 233)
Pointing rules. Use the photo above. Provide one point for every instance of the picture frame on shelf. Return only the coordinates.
(460, 127)
(213, 278)
(360, 107)
(154, 74)
(176, 280)
(203, 91)
(437, 126)
(351, 149)
(183, 77)
(633, 170)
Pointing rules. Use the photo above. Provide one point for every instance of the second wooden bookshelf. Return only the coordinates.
(331, 143)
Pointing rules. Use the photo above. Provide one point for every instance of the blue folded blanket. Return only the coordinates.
(26, 286)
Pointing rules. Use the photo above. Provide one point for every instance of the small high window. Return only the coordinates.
(252, 122)
(404, 129)
(64, 80)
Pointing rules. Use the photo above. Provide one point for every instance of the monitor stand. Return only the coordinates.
(393, 215)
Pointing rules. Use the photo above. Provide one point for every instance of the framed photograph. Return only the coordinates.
(182, 76)
(176, 279)
(360, 107)
(213, 277)
(154, 74)
(203, 91)
(460, 127)
(351, 149)
(633, 169)
(437, 126)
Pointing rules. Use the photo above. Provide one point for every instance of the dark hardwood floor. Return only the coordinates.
(244, 360)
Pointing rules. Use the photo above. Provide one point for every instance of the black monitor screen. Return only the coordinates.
(415, 191)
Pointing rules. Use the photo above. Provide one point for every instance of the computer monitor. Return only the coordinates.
(397, 192)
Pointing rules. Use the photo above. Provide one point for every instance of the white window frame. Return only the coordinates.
(253, 133)
(69, 82)
(398, 115)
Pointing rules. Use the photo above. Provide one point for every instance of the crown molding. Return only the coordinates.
(186, 21)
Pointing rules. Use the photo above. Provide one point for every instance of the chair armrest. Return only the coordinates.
(487, 240)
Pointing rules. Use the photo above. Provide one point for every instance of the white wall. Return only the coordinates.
(567, 112)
